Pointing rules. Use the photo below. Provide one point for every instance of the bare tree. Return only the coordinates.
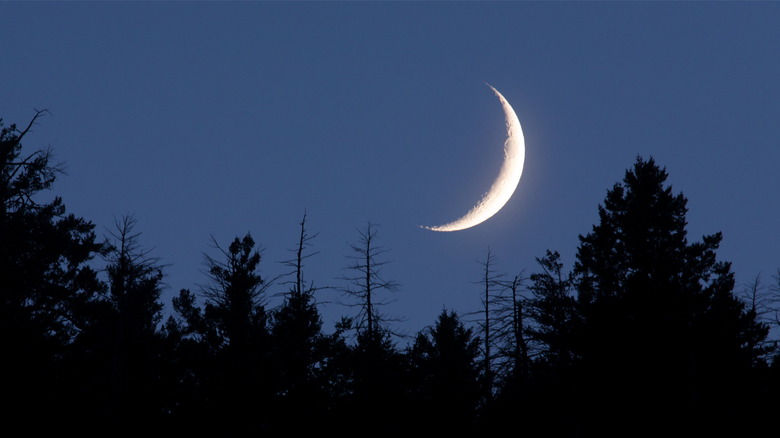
(510, 331)
(296, 264)
(299, 350)
(761, 300)
(367, 282)
(490, 281)
(773, 299)
(375, 366)
(21, 178)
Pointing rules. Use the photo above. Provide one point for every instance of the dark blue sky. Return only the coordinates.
(216, 118)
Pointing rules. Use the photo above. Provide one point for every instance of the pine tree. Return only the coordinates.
(660, 321)
(47, 288)
(224, 346)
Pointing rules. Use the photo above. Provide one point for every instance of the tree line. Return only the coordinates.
(645, 334)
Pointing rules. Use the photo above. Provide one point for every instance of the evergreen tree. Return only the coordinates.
(225, 345)
(135, 285)
(234, 296)
(662, 334)
(119, 354)
(548, 399)
(445, 376)
(188, 377)
(235, 308)
(47, 288)
(554, 312)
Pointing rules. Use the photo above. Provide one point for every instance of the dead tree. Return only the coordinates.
(489, 281)
(298, 284)
(510, 332)
(367, 282)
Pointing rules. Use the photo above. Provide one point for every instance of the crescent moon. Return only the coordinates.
(506, 182)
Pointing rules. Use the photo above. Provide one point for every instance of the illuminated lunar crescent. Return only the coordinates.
(506, 182)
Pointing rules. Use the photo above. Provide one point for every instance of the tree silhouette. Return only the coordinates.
(47, 288)
(490, 281)
(300, 350)
(375, 362)
(366, 283)
(659, 319)
(227, 341)
(119, 352)
(445, 376)
(135, 285)
(135, 282)
(236, 308)
(644, 336)
(554, 312)
(234, 294)
(511, 332)
(191, 366)
(547, 397)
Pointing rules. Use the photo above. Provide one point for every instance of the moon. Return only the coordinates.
(506, 182)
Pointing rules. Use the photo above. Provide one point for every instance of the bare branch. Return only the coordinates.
(38, 113)
(367, 282)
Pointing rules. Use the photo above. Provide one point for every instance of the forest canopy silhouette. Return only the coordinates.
(644, 333)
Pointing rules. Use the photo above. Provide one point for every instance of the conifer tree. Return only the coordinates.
(225, 344)
(659, 317)
(554, 312)
(135, 284)
(119, 353)
(47, 288)
(445, 376)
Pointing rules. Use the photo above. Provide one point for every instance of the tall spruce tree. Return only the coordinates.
(662, 337)
(444, 372)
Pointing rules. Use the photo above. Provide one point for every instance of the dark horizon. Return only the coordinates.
(647, 330)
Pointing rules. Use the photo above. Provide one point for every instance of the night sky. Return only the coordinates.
(221, 118)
